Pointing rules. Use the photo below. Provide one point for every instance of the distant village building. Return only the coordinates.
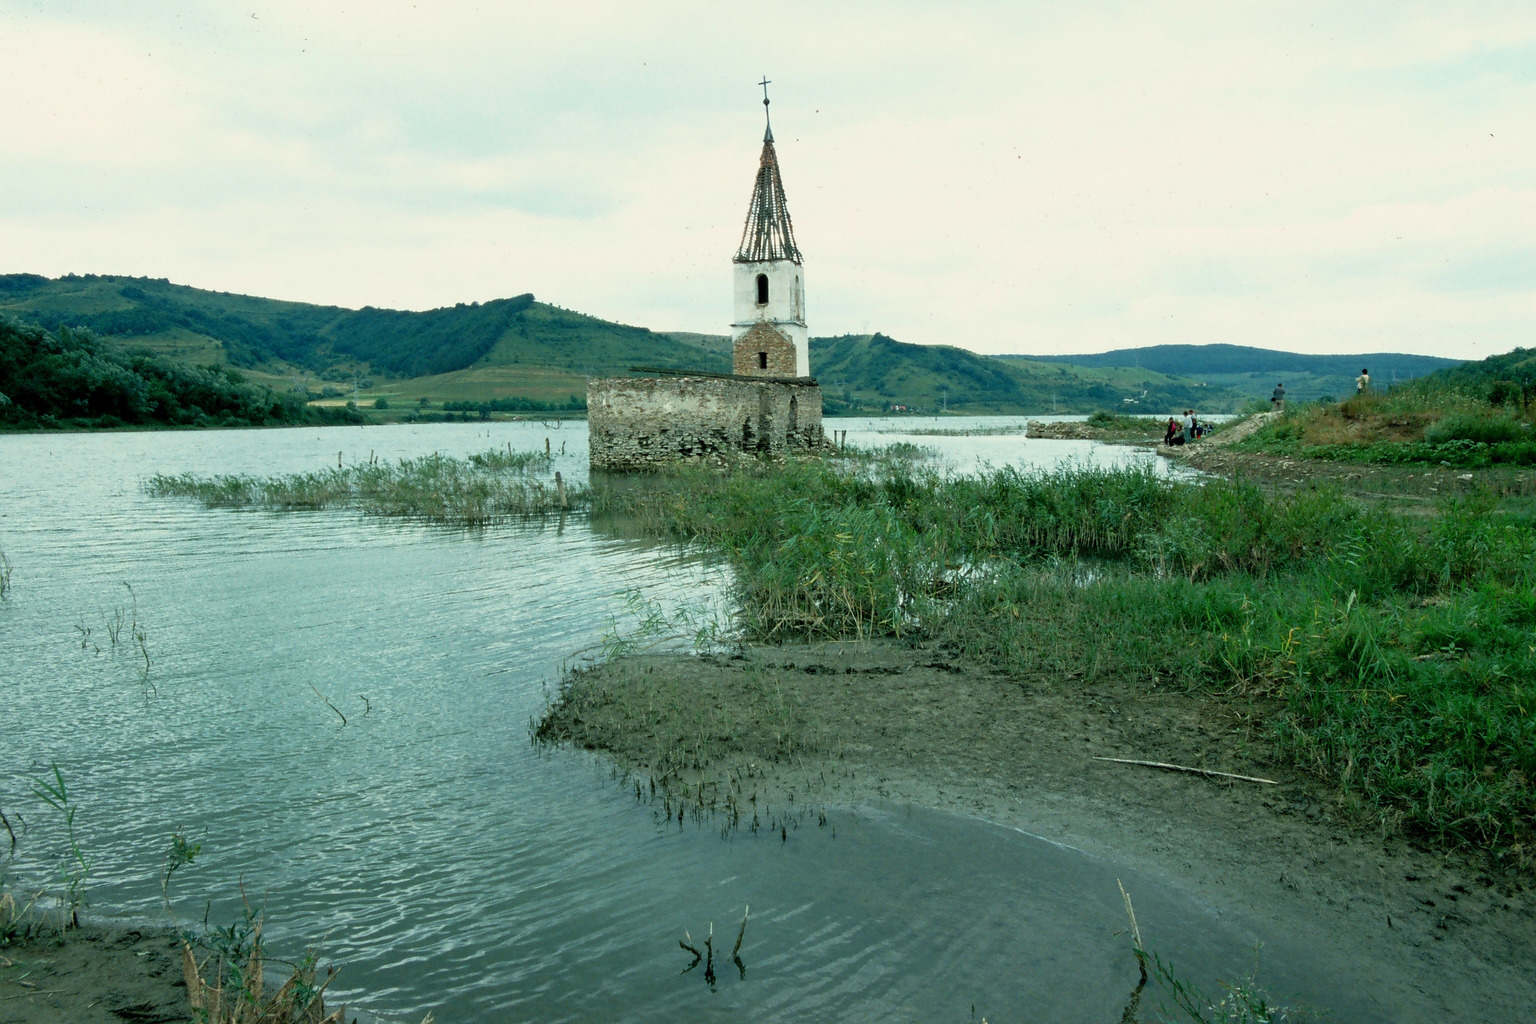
(769, 403)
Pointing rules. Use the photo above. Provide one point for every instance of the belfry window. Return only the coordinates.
(762, 289)
(762, 360)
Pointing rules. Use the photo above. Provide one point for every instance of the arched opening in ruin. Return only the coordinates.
(762, 289)
(794, 416)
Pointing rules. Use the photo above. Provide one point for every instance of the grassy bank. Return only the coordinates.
(1480, 414)
(1393, 656)
(484, 488)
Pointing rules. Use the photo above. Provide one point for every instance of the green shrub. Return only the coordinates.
(1481, 428)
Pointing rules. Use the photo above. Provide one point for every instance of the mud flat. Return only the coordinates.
(94, 975)
(772, 731)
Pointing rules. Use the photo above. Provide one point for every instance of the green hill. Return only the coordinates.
(533, 352)
(257, 333)
(873, 371)
(1256, 371)
(1495, 377)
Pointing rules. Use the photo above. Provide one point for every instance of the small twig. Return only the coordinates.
(328, 703)
(737, 948)
(10, 831)
(1193, 771)
(687, 943)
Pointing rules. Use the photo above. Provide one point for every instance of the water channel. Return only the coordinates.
(426, 845)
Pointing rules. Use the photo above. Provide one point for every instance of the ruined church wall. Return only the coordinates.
(646, 422)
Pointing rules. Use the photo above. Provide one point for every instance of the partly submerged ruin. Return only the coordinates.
(768, 404)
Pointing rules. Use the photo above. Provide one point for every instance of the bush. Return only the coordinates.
(1482, 428)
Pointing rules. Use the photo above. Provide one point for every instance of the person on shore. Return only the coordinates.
(1189, 425)
(1363, 382)
(1172, 431)
(1278, 398)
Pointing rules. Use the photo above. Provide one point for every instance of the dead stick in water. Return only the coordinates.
(1193, 771)
(737, 948)
(1141, 955)
(328, 703)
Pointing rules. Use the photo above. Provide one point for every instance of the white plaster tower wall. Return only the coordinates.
(784, 310)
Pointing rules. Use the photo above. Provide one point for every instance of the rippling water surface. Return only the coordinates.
(426, 845)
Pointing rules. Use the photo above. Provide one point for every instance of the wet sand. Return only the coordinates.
(1431, 935)
(94, 975)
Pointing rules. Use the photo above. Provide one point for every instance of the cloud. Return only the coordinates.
(1007, 177)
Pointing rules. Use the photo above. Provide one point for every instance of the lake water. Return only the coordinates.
(426, 845)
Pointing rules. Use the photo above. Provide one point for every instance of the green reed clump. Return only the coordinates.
(508, 460)
(1396, 651)
(434, 488)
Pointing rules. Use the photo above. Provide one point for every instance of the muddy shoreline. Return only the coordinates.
(772, 731)
(94, 974)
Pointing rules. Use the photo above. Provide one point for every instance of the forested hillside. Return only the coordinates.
(1494, 377)
(70, 378)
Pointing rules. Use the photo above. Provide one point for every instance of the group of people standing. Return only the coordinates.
(1190, 428)
(1184, 431)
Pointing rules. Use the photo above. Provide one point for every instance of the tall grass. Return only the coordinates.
(1396, 653)
(482, 489)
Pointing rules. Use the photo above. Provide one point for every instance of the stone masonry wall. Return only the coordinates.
(764, 339)
(645, 422)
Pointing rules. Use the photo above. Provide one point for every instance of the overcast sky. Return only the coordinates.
(1011, 177)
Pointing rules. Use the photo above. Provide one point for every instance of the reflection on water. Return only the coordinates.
(426, 844)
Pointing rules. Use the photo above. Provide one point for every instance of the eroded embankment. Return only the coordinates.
(771, 731)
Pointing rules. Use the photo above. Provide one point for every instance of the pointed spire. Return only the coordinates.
(768, 234)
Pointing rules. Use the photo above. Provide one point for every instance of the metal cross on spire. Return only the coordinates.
(768, 135)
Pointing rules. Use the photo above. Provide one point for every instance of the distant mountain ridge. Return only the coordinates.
(860, 371)
(1199, 359)
(1256, 371)
(522, 348)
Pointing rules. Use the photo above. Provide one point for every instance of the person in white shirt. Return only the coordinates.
(1363, 382)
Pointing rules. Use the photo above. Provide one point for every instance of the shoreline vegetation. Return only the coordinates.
(903, 634)
(484, 488)
(1392, 650)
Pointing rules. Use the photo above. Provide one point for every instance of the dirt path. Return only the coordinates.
(1434, 937)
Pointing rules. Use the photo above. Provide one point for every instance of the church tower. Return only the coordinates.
(768, 335)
